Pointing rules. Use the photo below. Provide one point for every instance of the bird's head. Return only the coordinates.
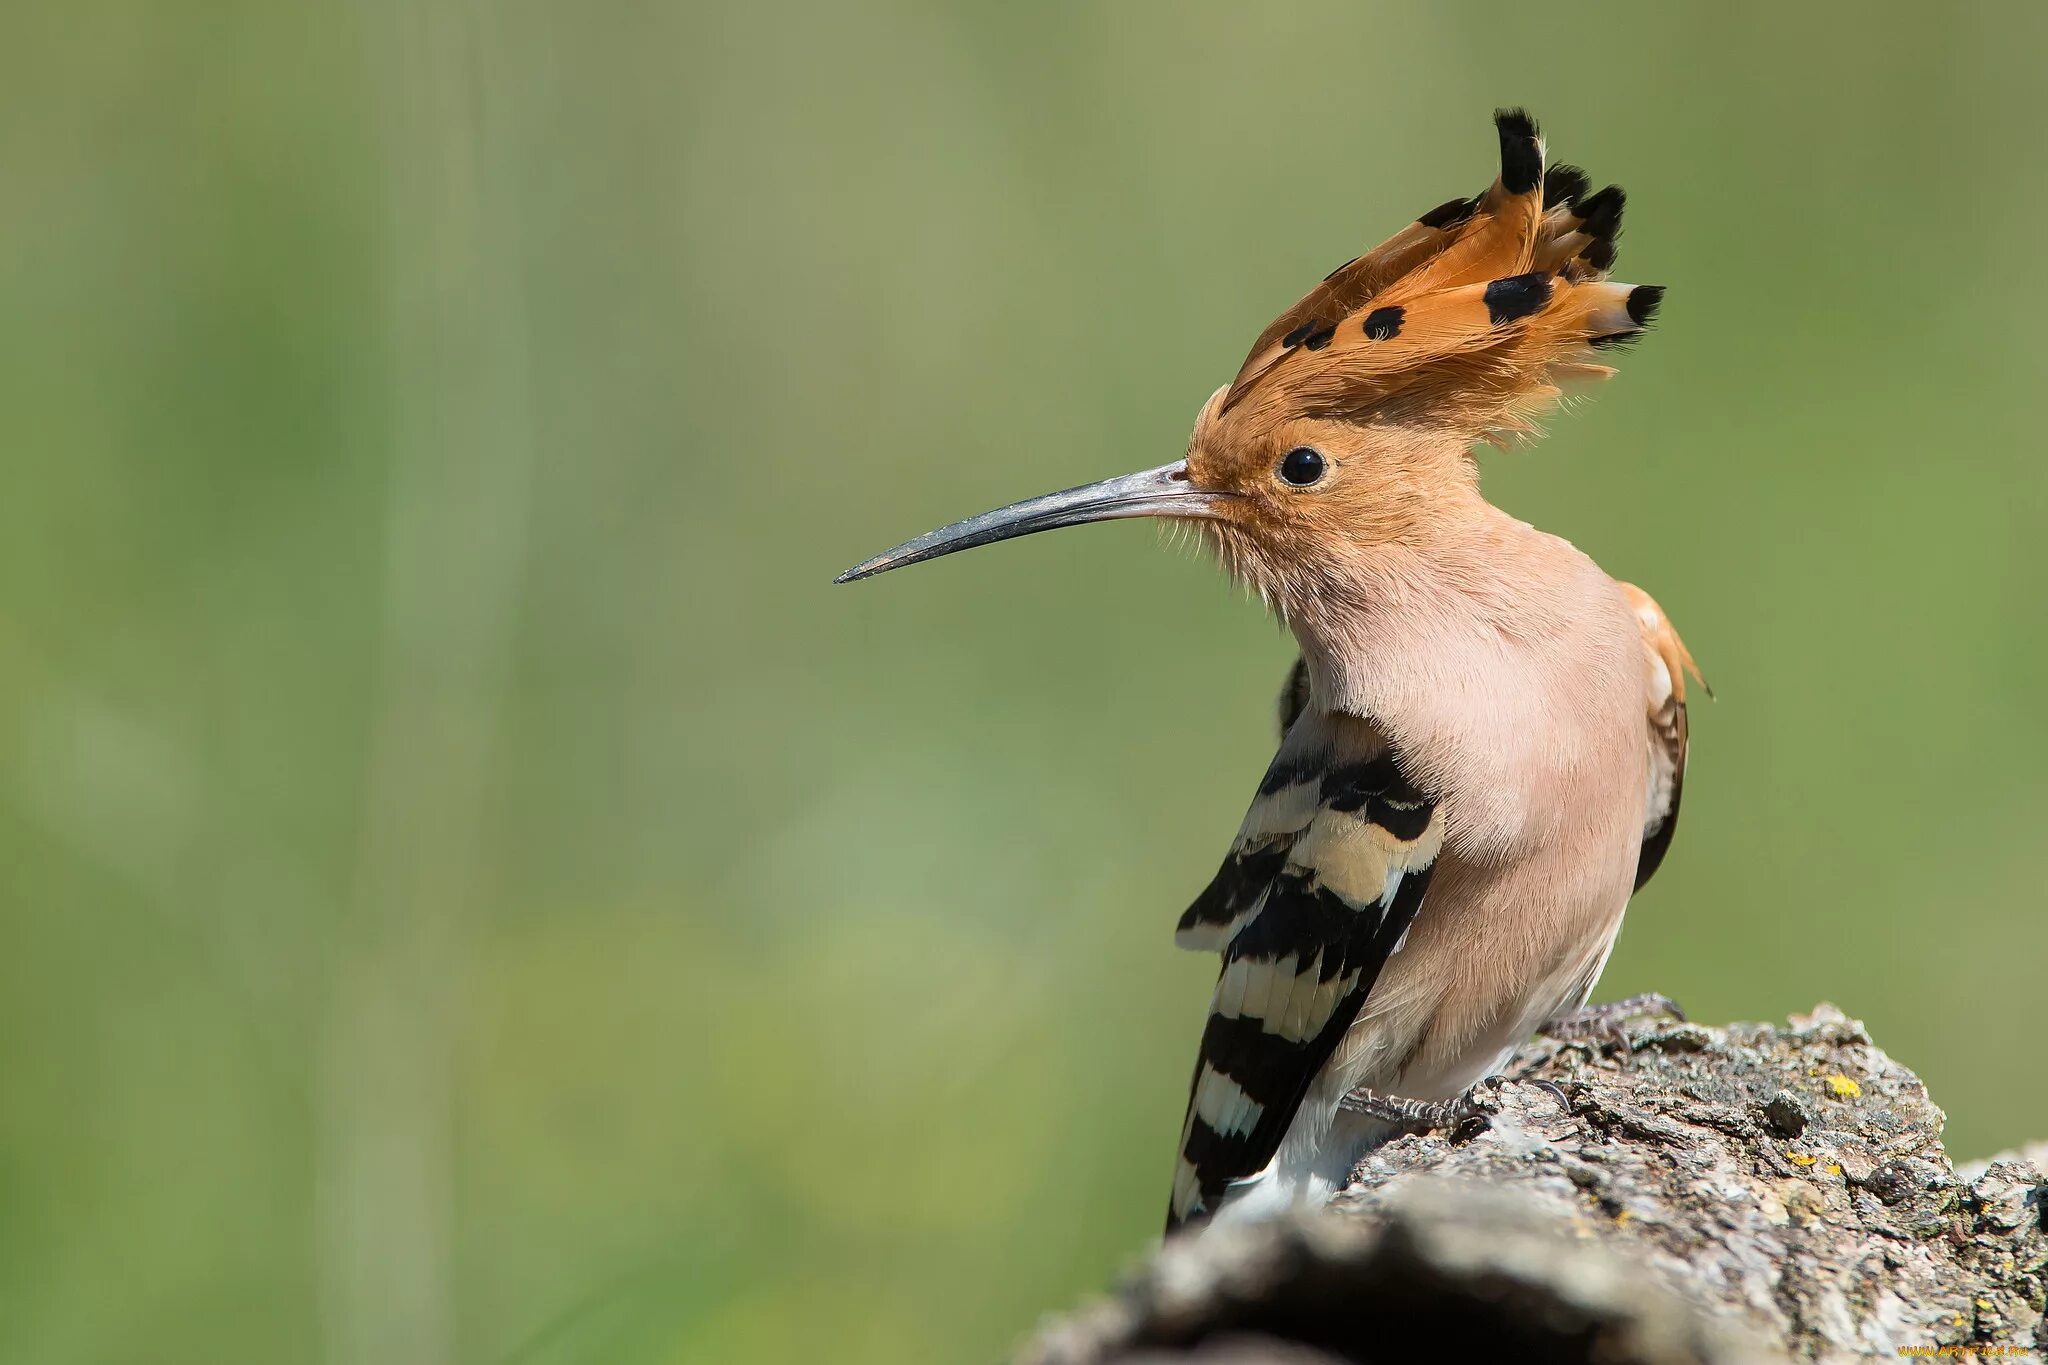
(1299, 492)
(1350, 424)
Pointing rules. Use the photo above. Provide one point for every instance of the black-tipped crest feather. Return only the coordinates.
(1450, 213)
(1600, 213)
(1564, 184)
(1521, 150)
(1643, 302)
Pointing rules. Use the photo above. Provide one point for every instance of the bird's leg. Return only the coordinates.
(1605, 1021)
(1412, 1116)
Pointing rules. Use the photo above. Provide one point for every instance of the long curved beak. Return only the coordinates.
(1161, 492)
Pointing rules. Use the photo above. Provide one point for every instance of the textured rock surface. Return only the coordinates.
(1689, 1195)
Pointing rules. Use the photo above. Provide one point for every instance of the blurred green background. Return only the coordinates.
(475, 892)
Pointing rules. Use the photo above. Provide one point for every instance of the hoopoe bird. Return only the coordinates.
(1484, 740)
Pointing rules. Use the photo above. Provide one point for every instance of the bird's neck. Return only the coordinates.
(1480, 578)
(1486, 651)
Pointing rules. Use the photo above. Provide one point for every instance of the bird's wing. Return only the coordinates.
(1318, 892)
(1668, 661)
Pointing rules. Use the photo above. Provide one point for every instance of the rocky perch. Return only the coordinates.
(1681, 1195)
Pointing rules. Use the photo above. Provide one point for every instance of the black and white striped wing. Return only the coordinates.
(1326, 875)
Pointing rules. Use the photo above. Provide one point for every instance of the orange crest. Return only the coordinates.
(1469, 320)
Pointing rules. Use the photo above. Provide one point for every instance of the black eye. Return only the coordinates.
(1301, 466)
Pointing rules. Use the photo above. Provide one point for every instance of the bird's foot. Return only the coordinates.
(1416, 1116)
(1608, 1023)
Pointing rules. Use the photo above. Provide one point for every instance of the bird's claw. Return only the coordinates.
(1588, 1021)
(1608, 1023)
(1415, 1116)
